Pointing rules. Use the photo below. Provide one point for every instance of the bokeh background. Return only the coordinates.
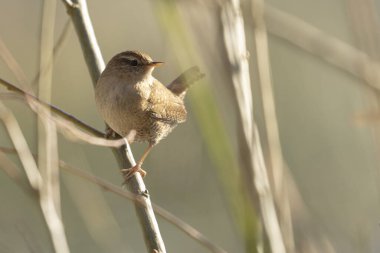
(328, 125)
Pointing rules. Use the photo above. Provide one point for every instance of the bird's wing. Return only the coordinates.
(165, 106)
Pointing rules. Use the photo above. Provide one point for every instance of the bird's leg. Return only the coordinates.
(137, 168)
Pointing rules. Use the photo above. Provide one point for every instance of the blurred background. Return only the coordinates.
(324, 58)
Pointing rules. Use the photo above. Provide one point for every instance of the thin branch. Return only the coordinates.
(79, 14)
(171, 218)
(72, 132)
(67, 128)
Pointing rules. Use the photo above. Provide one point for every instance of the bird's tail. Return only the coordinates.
(180, 85)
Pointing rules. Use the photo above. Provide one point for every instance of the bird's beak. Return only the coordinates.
(155, 63)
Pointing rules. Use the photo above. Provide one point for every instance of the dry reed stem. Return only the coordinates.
(50, 199)
(47, 133)
(234, 37)
(279, 182)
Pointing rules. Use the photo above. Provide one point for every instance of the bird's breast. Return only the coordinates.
(123, 106)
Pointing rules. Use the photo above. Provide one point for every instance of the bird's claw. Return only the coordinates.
(110, 134)
(128, 173)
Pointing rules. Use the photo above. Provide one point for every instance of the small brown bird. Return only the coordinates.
(129, 99)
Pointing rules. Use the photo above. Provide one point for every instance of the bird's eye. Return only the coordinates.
(134, 63)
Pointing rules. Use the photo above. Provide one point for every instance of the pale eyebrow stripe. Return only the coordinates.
(129, 58)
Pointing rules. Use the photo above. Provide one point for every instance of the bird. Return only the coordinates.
(131, 100)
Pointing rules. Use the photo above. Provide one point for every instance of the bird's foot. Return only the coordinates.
(110, 134)
(128, 173)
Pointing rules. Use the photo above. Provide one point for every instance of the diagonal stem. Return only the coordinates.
(53, 108)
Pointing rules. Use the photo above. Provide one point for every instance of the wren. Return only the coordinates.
(130, 99)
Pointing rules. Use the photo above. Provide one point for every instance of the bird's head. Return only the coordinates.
(134, 64)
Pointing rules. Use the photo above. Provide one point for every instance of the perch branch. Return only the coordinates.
(78, 12)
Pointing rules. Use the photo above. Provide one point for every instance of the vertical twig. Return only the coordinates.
(234, 37)
(77, 9)
(47, 132)
(275, 153)
(47, 136)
